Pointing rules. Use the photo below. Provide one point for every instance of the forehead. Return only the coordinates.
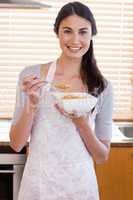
(75, 21)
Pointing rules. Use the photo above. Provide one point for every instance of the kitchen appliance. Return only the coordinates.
(11, 170)
(30, 4)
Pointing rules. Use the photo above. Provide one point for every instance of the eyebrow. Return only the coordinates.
(81, 29)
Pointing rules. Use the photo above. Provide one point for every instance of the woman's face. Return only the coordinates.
(74, 36)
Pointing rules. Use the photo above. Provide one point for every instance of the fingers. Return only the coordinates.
(29, 78)
(34, 98)
(61, 110)
(32, 83)
(72, 115)
(37, 86)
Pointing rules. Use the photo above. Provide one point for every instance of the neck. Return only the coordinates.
(68, 66)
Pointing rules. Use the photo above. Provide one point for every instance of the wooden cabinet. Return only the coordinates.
(115, 177)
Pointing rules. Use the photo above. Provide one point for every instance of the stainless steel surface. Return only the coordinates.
(126, 128)
(7, 171)
(15, 159)
(17, 162)
(31, 4)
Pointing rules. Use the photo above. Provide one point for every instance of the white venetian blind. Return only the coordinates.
(27, 38)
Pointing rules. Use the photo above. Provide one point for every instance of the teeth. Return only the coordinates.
(74, 49)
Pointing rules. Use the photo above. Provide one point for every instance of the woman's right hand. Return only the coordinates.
(31, 85)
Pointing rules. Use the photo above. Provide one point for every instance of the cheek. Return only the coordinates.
(87, 43)
(63, 38)
(63, 41)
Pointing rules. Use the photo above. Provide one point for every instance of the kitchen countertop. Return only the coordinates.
(122, 143)
(118, 139)
(128, 142)
(115, 142)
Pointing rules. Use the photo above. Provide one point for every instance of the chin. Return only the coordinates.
(74, 56)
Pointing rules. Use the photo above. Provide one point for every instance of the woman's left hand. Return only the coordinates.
(77, 120)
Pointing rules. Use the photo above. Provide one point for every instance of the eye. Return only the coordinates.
(67, 31)
(83, 32)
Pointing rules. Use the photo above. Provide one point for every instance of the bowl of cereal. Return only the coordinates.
(79, 102)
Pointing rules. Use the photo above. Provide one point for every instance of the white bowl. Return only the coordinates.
(79, 102)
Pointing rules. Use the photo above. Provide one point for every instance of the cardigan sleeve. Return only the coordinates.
(20, 95)
(103, 121)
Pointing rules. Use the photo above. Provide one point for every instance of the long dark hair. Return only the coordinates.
(89, 71)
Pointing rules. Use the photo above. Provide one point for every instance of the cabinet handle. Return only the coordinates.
(7, 171)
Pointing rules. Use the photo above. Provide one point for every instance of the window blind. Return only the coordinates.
(27, 38)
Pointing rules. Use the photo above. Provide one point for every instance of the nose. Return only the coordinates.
(75, 38)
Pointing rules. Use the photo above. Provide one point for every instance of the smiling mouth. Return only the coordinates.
(74, 49)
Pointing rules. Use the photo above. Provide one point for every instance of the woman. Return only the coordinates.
(62, 145)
